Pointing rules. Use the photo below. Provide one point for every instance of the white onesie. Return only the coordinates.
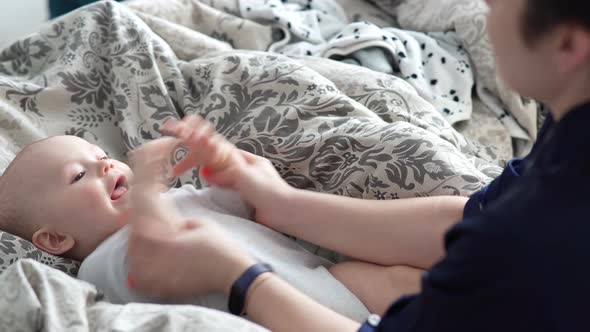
(106, 267)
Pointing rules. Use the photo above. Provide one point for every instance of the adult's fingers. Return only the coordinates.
(193, 131)
(150, 161)
(200, 129)
(157, 149)
(202, 151)
(170, 127)
(179, 128)
(184, 164)
(187, 126)
(226, 178)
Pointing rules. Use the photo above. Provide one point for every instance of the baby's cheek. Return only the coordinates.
(93, 193)
(92, 197)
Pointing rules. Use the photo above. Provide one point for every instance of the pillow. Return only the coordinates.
(13, 248)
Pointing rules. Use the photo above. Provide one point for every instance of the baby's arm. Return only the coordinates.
(377, 286)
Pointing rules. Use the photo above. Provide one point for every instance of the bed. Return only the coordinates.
(374, 100)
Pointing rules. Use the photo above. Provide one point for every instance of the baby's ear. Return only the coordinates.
(53, 242)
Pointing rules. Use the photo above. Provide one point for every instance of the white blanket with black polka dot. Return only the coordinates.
(438, 63)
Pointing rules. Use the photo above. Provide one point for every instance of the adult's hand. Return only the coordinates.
(169, 257)
(224, 165)
(181, 262)
(205, 146)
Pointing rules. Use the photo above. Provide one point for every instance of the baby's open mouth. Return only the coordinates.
(120, 188)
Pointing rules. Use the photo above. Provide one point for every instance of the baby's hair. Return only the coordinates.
(15, 216)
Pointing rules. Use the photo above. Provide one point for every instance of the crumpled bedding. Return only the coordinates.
(103, 75)
(113, 73)
(502, 123)
(35, 297)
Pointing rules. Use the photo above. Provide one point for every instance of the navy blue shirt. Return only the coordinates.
(519, 259)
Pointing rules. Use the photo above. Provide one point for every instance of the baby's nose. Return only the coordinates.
(107, 166)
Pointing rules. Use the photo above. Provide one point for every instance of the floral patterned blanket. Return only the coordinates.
(112, 74)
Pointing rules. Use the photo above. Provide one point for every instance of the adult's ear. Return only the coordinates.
(53, 242)
(574, 48)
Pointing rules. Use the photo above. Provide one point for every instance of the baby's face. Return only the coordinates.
(81, 192)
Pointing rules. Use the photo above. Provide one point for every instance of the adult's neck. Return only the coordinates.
(568, 98)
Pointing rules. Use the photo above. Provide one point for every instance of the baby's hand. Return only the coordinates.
(205, 147)
(150, 162)
(150, 165)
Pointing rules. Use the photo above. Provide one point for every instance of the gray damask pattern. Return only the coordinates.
(13, 248)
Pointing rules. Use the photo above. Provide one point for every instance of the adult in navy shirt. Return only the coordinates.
(514, 255)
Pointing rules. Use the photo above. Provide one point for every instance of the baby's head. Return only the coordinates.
(64, 195)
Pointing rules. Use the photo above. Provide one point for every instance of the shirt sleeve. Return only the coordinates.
(515, 168)
(466, 291)
(490, 193)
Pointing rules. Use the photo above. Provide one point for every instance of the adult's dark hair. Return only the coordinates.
(543, 15)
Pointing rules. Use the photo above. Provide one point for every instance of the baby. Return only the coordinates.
(81, 200)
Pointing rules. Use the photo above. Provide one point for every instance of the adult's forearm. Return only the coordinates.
(405, 231)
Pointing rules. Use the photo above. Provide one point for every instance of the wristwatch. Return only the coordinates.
(371, 324)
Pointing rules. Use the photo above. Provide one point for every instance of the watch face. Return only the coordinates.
(374, 320)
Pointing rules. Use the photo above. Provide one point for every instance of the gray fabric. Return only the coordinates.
(34, 297)
(13, 248)
(504, 119)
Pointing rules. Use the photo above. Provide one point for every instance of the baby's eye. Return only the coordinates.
(104, 158)
(78, 177)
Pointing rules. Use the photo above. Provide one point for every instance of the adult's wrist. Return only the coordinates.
(284, 207)
(237, 267)
(276, 210)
